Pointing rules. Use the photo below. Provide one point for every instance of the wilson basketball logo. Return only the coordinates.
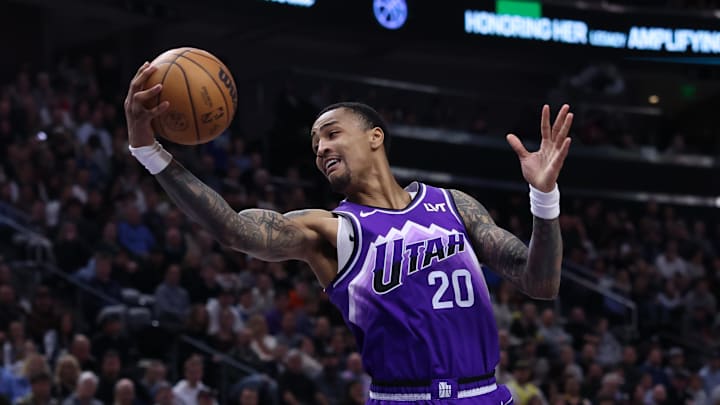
(228, 82)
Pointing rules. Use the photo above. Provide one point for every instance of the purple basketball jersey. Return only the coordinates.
(413, 292)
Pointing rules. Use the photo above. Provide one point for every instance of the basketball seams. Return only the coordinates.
(192, 103)
(214, 59)
(229, 112)
(162, 81)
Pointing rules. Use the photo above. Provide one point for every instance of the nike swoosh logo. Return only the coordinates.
(364, 214)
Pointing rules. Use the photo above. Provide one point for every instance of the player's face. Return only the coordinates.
(341, 147)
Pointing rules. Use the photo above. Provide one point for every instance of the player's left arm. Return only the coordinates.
(534, 270)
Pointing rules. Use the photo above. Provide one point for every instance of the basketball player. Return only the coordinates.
(402, 264)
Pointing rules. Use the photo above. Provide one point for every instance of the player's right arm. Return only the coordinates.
(265, 234)
(269, 235)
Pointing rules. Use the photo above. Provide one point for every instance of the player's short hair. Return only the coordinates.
(368, 114)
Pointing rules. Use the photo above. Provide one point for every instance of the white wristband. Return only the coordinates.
(545, 205)
(154, 157)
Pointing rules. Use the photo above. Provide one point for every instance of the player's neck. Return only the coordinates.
(380, 189)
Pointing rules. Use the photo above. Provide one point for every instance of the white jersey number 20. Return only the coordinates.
(469, 297)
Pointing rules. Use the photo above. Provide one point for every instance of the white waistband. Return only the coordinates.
(420, 396)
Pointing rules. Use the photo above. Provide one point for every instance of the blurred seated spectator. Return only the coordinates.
(215, 306)
(40, 390)
(10, 310)
(111, 371)
(124, 392)
(87, 385)
(112, 337)
(102, 283)
(295, 387)
(133, 234)
(67, 372)
(81, 349)
(172, 303)
(186, 390)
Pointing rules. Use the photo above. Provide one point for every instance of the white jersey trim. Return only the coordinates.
(354, 256)
(345, 244)
(475, 392)
(399, 397)
(403, 397)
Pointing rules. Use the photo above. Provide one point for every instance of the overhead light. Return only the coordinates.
(653, 99)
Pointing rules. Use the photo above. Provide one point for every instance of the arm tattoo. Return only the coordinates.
(535, 270)
(266, 234)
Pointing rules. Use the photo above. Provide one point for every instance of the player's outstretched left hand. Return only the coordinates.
(542, 168)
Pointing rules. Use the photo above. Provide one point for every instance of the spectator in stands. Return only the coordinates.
(40, 390)
(669, 263)
(710, 374)
(566, 366)
(502, 372)
(670, 303)
(84, 394)
(226, 300)
(124, 392)
(15, 346)
(249, 396)
(609, 350)
(696, 391)
(288, 334)
(101, 282)
(571, 393)
(133, 234)
(295, 387)
(224, 338)
(205, 286)
(656, 396)
(329, 382)
(10, 311)
(206, 396)
(354, 372)
(172, 302)
(501, 306)
(578, 328)
(163, 394)
(526, 326)
(354, 394)
(67, 372)
(81, 349)
(263, 293)
(246, 305)
(112, 337)
(263, 343)
(174, 248)
(71, 251)
(522, 387)
(186, 390)
(551, 333)
(653, 366)
(42, 317)
(110, 373)
(155, 373)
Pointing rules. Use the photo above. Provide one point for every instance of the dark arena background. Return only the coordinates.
(108, 291)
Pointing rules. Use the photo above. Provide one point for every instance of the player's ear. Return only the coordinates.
(377, 136)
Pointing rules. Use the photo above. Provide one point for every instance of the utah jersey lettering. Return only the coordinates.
(414, 292)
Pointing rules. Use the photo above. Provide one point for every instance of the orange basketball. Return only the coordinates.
(201, 92)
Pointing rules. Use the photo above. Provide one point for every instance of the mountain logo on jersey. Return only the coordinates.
(404, 252)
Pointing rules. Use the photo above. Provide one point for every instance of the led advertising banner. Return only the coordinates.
(635, 30)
